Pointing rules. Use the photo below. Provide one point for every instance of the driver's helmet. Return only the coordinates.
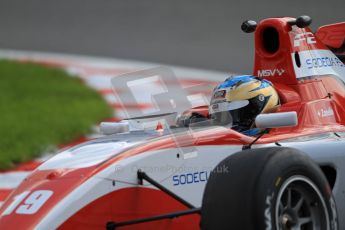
(239, 99)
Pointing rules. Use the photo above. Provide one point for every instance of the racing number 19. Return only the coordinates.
(31, 204)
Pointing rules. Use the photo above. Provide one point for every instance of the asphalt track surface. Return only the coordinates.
(201, 34)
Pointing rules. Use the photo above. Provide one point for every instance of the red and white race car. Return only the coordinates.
(170, 177)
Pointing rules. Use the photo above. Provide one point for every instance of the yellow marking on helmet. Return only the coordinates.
(244, 92)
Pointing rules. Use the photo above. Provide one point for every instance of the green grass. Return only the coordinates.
(41, 107)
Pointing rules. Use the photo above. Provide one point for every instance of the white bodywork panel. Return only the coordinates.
(174, 169)
(319, 62)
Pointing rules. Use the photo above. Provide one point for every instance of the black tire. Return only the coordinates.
(249, 191)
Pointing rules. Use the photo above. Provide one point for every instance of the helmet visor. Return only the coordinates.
(240, 115)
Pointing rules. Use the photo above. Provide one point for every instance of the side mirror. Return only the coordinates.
(276, 120)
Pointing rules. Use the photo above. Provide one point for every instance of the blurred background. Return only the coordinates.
(202, 34)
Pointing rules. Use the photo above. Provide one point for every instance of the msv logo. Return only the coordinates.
(270, 72)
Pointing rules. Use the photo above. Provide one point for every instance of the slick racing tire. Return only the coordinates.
(268, 188)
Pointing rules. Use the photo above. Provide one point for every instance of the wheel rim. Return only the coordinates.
(300, 205)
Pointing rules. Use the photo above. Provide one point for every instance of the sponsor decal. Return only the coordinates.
(322, 62)
(190, 178)
(197, 177)
(215, 108)
(308, 37)
(219, 107)
(32, 203)
(270, 72)
(325, 112)
(317, 63)
(219, 94)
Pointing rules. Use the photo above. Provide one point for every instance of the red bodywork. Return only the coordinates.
(332, 35)
(307, 97)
